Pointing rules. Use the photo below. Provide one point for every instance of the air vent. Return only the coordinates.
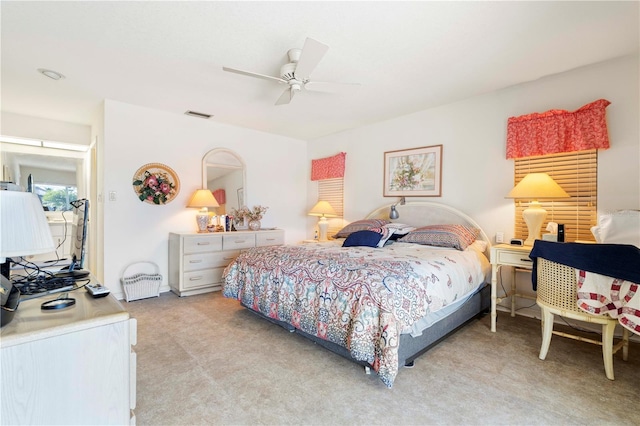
(199, 114)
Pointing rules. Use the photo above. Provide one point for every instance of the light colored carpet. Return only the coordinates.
(205, 360)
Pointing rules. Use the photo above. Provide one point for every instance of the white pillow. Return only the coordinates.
(400, 228)
(619, 227)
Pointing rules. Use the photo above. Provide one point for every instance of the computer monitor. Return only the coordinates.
(79, 233)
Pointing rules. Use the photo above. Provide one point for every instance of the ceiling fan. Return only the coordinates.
(296, 74)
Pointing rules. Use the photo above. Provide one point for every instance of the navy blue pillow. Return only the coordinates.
(362, 238)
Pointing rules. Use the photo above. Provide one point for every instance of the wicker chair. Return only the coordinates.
(557, 295)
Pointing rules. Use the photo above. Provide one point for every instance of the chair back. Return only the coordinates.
(557, 286)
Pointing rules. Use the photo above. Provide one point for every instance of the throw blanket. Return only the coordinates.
(599, 295)
(613, 260)
(360, 298)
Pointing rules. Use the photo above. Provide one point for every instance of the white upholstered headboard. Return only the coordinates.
(423, 213)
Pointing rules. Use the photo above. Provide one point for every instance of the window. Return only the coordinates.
(332, 190)
(56, 197)
(577, 174)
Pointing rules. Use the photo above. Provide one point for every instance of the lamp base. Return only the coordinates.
(202, 219)
(323, 226)
(534, 217)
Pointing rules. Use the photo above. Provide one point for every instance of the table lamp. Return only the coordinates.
(535, 186)
(324, 210)
(24, 231)
(203, 199)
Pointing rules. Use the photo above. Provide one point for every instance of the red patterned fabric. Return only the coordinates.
(328, 168)
(558, 131)
(220, 195)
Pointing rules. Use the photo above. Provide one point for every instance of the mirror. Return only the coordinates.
(224, 173)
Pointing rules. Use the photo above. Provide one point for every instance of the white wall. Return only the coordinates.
(277, 172)
(476, 174)
(44, 129)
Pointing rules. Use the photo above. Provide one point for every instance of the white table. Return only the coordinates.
(507, 255)
(69, 366)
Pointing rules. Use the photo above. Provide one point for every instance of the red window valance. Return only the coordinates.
(558, 131)
(328, 168)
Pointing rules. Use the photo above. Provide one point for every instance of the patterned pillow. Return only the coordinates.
(362, 238)
(453, 236)
(360, 225)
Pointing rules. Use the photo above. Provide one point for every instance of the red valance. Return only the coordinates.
(328, 168)
(558, 131)
(220, 196)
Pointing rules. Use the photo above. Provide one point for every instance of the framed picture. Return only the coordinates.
(240, 224)
(413, 172)
(240, 197)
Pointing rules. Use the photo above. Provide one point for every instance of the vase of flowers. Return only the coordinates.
(254, 215)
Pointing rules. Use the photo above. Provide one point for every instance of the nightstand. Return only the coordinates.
(507, 255)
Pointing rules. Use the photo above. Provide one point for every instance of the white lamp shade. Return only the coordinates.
(535, 186)
(24, 229)
(323, 209)
(203, 198)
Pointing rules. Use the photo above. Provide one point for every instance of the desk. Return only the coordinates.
(69, 366)
(507, 255)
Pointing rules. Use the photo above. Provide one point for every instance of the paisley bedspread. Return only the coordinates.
(358, 297)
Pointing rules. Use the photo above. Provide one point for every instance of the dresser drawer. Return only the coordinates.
(202, 278)
(514, 259)
(238, 241)
(269, 239)
(201, 244)
(195, 262)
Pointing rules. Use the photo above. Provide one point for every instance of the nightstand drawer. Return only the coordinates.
(197, 244)
(238, 241)
(514, 259)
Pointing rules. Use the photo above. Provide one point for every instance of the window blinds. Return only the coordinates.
(332, 190)
(577, 173)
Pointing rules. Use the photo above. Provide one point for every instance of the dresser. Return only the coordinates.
(71, 366)
(196, 261)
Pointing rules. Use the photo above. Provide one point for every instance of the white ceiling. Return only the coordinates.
(408, 56)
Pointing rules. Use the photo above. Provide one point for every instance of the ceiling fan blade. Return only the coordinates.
(339, 88)
(253, 74)
(312, 53)
(286, 97)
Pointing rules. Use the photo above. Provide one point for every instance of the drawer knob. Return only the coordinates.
(196, 261)
(239, 241)
(195, 278)
(203, 243)
(526, 260)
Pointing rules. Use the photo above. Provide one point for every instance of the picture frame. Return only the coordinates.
(240, 197)
(241, 224)
(415, 172)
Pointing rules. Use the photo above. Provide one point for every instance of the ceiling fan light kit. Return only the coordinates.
(296, 74)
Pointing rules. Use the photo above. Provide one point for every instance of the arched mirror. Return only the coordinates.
(224, 173)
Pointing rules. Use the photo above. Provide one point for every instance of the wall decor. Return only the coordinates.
(413, 172)
(240, 197)
(156, 183)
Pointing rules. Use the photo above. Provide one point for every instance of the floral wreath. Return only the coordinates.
(156, 184)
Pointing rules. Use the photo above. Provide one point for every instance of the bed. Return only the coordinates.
(381, 307)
